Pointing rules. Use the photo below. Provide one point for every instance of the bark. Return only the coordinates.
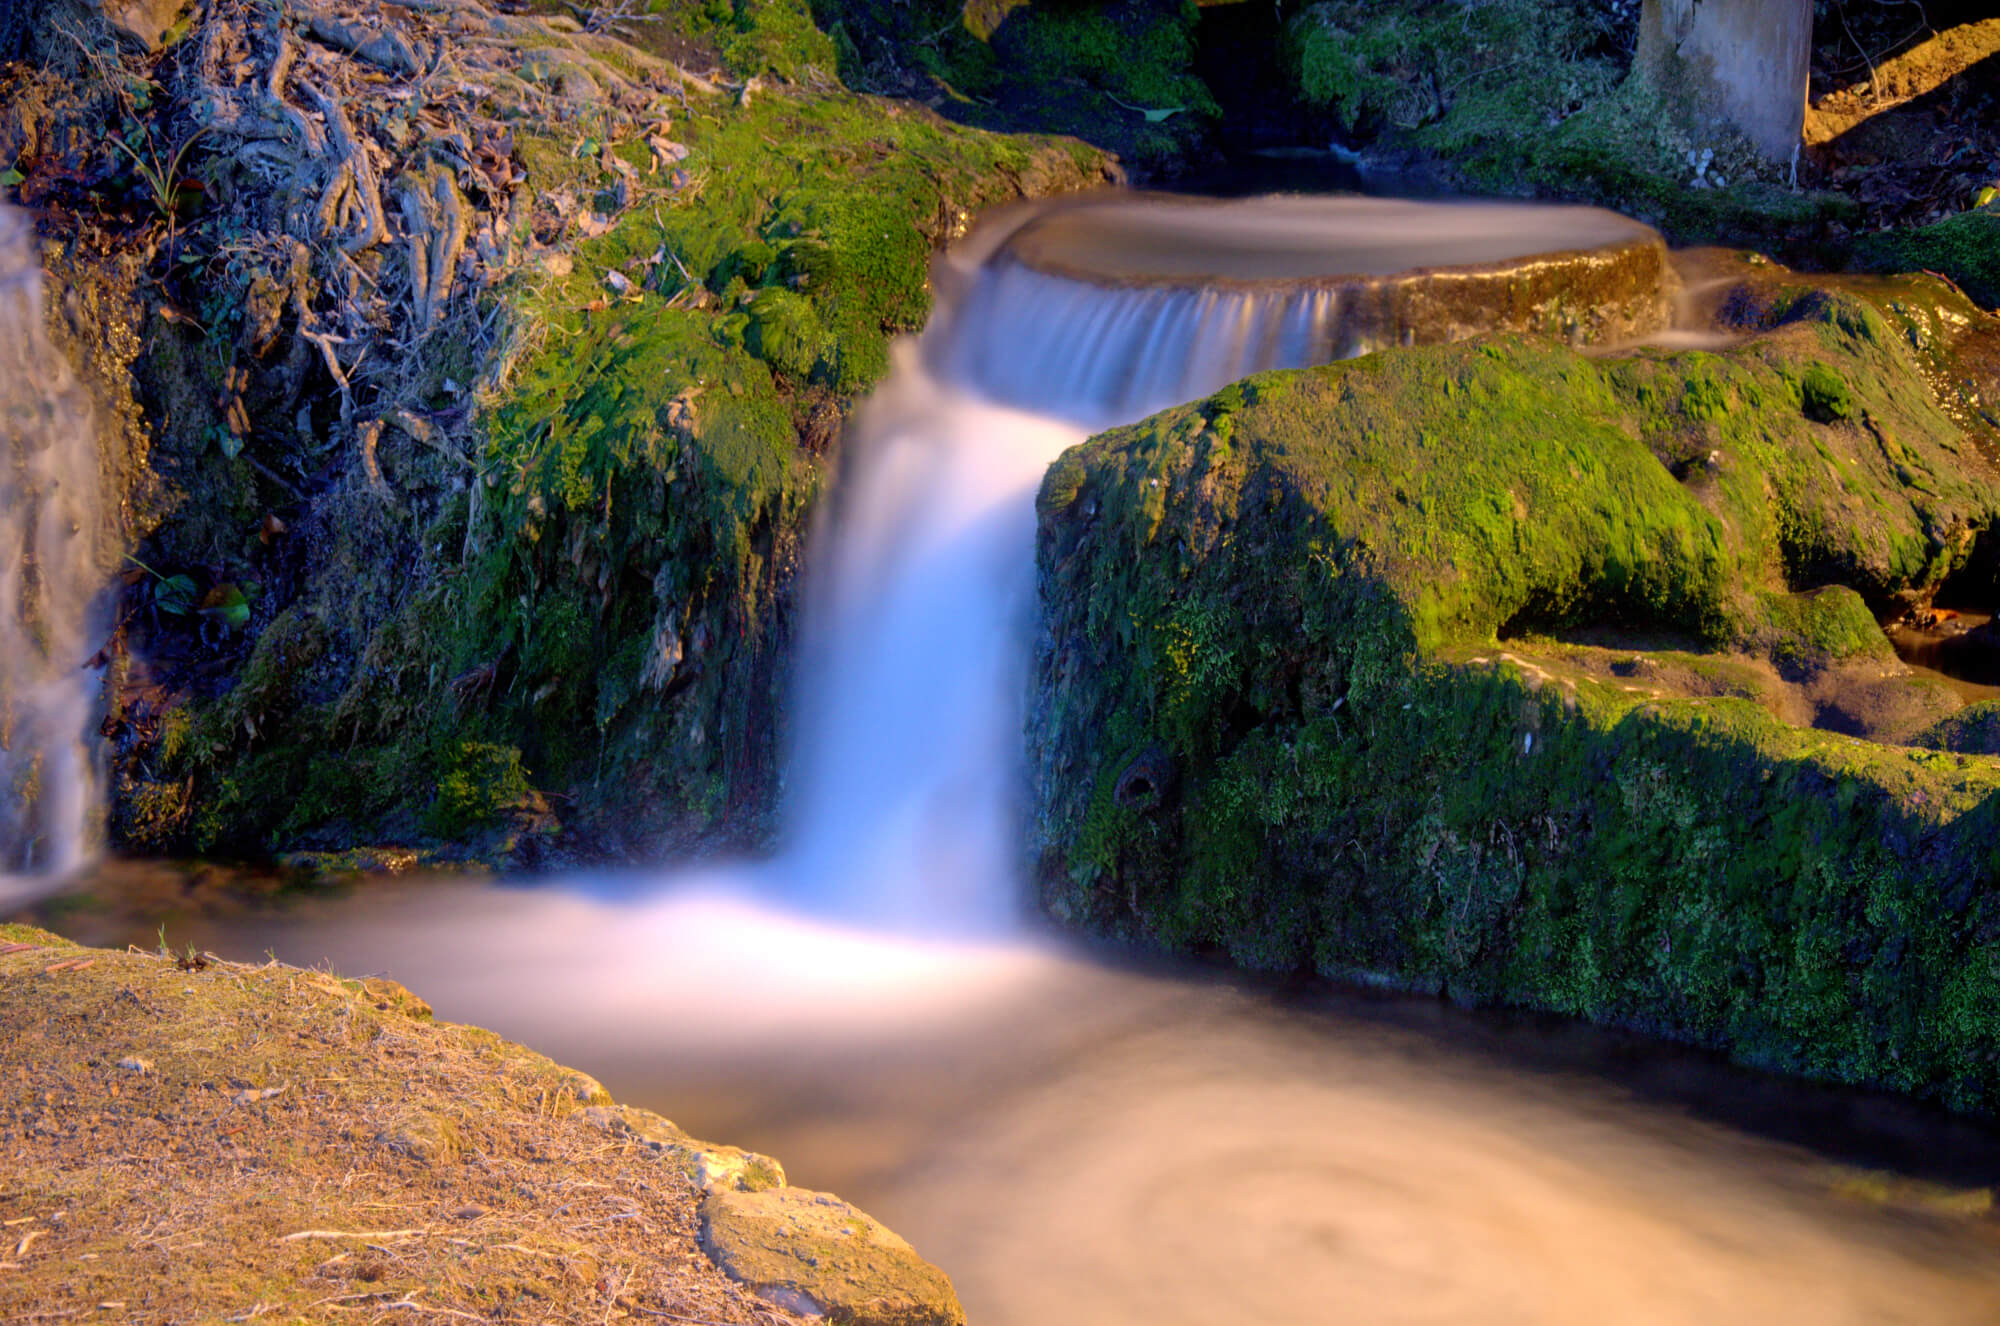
(1742, 62)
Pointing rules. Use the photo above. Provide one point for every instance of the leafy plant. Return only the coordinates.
(162, 179)
(174, 595)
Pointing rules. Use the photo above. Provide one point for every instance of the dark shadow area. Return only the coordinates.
(1956, 634)
(1914, 161)
(1116, 75)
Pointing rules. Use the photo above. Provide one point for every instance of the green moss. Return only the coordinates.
(481, 782)
(1138, 54)
(1973, 730)
(1965, 248)
(1806, 632)
(1824, 396)
(597, 570)
(1116, 73)
(1514, 97)
(1311, 636)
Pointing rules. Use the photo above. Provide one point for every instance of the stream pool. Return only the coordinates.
(1078, 1138)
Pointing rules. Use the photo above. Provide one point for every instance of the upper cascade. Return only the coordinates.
(1054, 321)
(49, 583)
(1109, 308)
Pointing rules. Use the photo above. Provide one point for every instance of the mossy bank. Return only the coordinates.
(490, 397)
(1529, 678)
(190, 1140)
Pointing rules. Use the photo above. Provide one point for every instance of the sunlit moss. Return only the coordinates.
(1325, 627)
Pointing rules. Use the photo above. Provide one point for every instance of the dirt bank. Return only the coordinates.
(184, 1139)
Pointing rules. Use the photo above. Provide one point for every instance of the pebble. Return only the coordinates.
(134, 1064)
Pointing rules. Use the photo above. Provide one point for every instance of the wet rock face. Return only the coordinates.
(1394, 271)
(1500, 672)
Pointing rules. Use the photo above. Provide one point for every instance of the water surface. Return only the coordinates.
(1081, 1140)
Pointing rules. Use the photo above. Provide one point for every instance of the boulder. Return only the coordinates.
(1497, 671)
(812, 1253)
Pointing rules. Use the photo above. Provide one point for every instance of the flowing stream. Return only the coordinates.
(1080, 1141)
(49, 583)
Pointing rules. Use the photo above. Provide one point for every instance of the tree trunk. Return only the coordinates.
(1742, 62)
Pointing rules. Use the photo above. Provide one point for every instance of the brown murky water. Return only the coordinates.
(1077, 1141)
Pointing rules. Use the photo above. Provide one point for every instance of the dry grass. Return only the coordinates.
(263, 1143)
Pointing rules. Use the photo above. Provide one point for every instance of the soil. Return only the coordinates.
(1914, 136)
(184, 1139)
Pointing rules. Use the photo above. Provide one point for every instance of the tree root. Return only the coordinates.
(353, 186)
(387, 50)
(408, 174)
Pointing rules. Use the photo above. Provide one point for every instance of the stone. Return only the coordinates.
(422, 1136)
(394, 997)
(811, 1252)
(709, 1167)
(982, 18)
(587, 1089)
(146, 22)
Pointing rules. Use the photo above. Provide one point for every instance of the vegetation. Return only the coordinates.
(1965, 248)
(1512, 97)
(514, 499)
(1119, 74)
(1461, 669)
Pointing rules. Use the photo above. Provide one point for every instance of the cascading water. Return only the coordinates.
(49, 584)
(907, 769)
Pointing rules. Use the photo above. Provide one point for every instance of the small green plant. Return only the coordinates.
(161, 178)
(174, 595)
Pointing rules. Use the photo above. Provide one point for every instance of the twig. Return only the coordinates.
(408, 1302)
(674, 1316)
(353, 1234)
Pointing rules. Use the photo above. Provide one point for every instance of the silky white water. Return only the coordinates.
(906, 774)
(49, 583)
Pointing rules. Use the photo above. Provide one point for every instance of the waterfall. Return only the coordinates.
(49, 586)
(907, 768)
(905, 780)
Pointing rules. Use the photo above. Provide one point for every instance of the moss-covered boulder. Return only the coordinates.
(1530, 678)
(487, 412)
(1965, 248)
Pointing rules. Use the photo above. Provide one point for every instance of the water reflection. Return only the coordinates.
(1078, 1142)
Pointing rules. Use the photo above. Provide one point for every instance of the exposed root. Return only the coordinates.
(354, 192)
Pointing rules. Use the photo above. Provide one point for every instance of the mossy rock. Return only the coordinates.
(1463, 669)
(1973, 730)
(1965, 248)
(547, 605)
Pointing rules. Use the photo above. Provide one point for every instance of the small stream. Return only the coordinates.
(1082, 1140)
(1079, 1138)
